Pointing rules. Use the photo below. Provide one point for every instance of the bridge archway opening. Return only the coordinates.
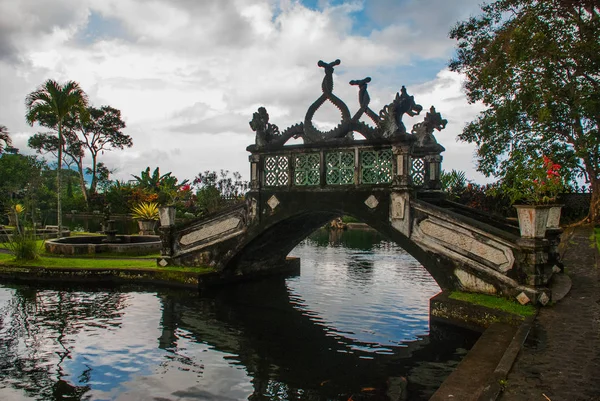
(275, 242)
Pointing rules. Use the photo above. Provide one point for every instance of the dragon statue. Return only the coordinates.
(386, 125)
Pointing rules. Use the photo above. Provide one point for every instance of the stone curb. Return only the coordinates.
(494, 388)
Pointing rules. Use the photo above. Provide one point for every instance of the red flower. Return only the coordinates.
(185, 187)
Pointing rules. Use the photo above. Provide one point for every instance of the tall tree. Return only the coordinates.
(100, 131)
(73, 152)
(535, 64)
(4, 137)
(60, 101)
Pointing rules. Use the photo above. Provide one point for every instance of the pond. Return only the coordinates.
(353, 325)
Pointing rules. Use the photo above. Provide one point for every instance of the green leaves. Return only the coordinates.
(535, 65)
(145, 211)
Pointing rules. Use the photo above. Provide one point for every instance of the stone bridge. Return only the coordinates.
(388, 179)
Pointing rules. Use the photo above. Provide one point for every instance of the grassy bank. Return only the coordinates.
(493, 302)
(597, 231)
(87, 263)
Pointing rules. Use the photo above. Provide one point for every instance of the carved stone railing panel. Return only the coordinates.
(339, 168)
(276, 171)
(417, 172)
(307, 169)
(376, 166)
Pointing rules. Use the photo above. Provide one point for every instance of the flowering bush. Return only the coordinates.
(539, 185)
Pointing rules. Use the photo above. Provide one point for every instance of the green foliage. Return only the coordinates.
(93, 131)
(4, 137)
(145, 211)
(21, 178)
(350, 219)
(166, 187)
(57, 101)
(454, 182)
(217, 190)
(597, 231)
(22, 244)
(534, 64)
(539, 182)
(493, 302)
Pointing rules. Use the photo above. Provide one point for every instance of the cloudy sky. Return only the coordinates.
(188, 74)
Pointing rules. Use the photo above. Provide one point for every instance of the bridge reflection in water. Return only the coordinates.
(353, 324)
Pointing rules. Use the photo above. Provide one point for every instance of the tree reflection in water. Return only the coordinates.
(37, 327)
(276, 339)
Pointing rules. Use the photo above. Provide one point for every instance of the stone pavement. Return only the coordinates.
(560, 360)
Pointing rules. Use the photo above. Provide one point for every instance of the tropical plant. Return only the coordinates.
(166, 187)
(60, 101)
(540, 183)
(100, 131)
(145, 211)
(4, 137)
(22, 244)
(534, 64)
(454, 182)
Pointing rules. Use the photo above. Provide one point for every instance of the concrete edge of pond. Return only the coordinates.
(480, 375)
(151, 276)
(464, 314)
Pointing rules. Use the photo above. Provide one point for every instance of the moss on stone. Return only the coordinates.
(490, 301)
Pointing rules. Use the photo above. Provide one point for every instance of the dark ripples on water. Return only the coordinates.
(353, 325)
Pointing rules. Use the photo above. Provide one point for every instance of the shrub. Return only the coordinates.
(23, 245)
(145, 211)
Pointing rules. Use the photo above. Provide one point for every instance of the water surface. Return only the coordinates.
(353, 325)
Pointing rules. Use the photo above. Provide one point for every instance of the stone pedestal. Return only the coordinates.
(534, 262)
(166, 233)
(553, 237)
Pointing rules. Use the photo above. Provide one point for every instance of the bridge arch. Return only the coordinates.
(297, 216)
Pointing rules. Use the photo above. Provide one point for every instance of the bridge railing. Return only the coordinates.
(311, 167)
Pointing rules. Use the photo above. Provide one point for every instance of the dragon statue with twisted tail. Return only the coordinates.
(387, 125)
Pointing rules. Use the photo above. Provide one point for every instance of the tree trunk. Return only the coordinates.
(594, 214)
(82, 183)
(94, 182)
(58, 186)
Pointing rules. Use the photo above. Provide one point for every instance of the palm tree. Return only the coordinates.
(58, 101)
(4, 138)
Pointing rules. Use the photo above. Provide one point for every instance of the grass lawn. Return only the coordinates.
(493, 302)
(7, 260)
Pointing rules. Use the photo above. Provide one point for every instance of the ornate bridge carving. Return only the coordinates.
(390, 180)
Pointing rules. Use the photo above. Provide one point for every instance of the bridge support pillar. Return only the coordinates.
(400, 212)
(534, 261)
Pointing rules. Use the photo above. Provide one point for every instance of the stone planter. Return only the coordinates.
(146, 227)
(532, 220)
(554, 217)
(167, 215)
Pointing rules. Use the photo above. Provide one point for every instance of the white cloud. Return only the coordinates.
(187, 75)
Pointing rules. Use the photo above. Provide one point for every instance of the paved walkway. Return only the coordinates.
(560, 360)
